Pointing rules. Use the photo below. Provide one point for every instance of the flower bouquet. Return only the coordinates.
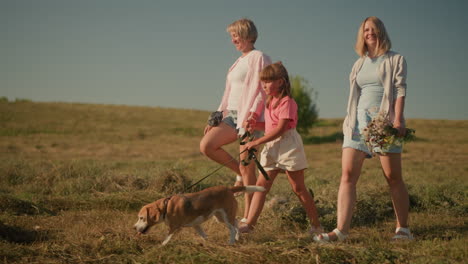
(380, 135)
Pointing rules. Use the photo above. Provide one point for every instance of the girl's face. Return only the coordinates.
(241, 45)
(370, 36)
(272, 88)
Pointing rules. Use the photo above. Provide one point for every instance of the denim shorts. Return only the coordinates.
(357, 140)
(231, 120)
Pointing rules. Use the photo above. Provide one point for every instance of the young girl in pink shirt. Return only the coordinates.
(283, 151)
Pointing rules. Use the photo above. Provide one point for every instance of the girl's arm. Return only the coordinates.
(277, 132)
(251, 123)
(259, 126)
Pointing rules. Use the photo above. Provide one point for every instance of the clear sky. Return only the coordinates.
(176, 53)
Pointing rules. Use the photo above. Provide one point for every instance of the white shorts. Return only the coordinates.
(284, 153)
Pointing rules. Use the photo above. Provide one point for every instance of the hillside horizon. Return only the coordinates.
(5, 99)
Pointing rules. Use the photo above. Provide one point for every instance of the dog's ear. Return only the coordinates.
(153, 213)
(147, 213)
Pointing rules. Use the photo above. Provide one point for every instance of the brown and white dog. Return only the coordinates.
(192, 209)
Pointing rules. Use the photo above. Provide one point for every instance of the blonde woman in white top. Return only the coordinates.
(377, 83)
(243, 99)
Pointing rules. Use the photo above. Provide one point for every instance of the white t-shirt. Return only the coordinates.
(236, 78)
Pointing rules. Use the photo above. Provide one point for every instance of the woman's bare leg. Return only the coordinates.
(351, 165)
(211, 146)
(391, 166)
(248, 177)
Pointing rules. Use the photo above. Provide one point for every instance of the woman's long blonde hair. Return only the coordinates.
(273, 72)
(383, 40)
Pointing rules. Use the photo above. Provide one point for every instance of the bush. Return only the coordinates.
(305, 98)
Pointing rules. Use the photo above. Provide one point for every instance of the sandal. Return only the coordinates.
(325, 238)
(246, 228)
(405, 234)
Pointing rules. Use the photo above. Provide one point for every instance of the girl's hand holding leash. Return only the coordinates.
(251, 144)
(248, 127)
(250, 123)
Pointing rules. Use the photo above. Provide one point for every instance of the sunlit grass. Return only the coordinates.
(73, 176)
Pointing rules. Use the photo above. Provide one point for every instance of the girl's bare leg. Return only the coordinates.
(258, 199)
(296, 179)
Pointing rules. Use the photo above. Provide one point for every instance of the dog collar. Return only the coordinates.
(164, 212)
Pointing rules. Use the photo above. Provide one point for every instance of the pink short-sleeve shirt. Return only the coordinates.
(286, 109)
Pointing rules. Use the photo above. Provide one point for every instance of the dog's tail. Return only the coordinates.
(248, 188)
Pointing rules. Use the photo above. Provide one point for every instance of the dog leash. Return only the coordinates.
(251, 156)
(211, 173)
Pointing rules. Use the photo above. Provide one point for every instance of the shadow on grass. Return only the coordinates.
(335, 137)
(441, 232)
(15, 206)
(15, 234)
(420, 139)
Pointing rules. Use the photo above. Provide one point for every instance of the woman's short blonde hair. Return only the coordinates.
(244, 28)
(383, 40)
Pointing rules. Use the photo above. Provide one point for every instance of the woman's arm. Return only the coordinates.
(258, 105)
(277, 132)
(400, 90)
(400, 73)
(399, 123)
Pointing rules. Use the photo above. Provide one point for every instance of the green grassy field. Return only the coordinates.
(73, 177)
